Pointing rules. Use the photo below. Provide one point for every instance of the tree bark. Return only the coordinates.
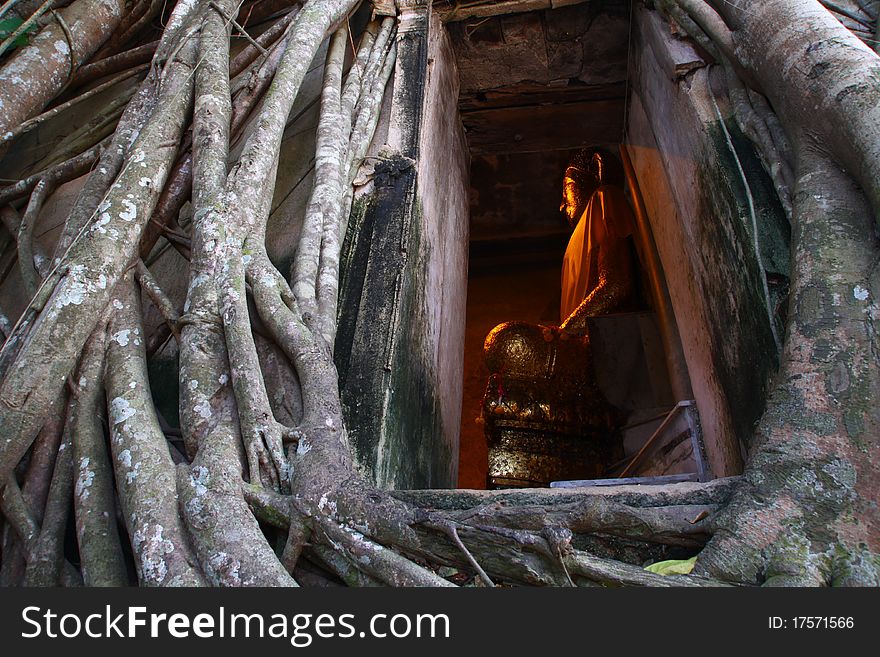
(805, 514)
(39, 71)
(89, 272)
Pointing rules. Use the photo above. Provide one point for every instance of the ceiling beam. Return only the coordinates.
(451, 11)
(544, 127)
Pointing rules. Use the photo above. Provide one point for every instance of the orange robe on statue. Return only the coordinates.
(606, 218)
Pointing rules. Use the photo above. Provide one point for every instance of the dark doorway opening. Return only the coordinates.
(536, 87)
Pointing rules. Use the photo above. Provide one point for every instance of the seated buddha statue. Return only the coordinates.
(545, 417)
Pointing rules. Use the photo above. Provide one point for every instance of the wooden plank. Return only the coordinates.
(530, 94)
(653, 442)
(544, 128)
(384, 8)
(462, 11)
(533, 250)
(699, 448)
(628, 481)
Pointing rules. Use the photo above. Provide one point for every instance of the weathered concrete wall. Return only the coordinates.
(406, 258)
(443, 251)
(716, 267)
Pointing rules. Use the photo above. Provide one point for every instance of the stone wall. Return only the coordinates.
(443, 198)
(400, 346)
(696, 173)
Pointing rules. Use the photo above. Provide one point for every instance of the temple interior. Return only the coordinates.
(536, 87)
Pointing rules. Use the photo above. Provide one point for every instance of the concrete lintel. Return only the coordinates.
(675, 56)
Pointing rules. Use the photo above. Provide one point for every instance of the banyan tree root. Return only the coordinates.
(800, 516)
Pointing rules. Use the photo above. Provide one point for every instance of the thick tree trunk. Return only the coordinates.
(822, 81)
(806, 512)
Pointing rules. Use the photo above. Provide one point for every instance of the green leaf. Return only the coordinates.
(673, 566)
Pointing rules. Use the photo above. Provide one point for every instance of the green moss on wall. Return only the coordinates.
(735, 295)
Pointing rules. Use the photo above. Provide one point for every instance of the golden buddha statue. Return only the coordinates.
(544, 415)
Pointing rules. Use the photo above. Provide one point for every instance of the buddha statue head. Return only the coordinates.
(587, 170)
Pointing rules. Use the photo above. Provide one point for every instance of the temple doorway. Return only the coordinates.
(535, 88)
(489, 104)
